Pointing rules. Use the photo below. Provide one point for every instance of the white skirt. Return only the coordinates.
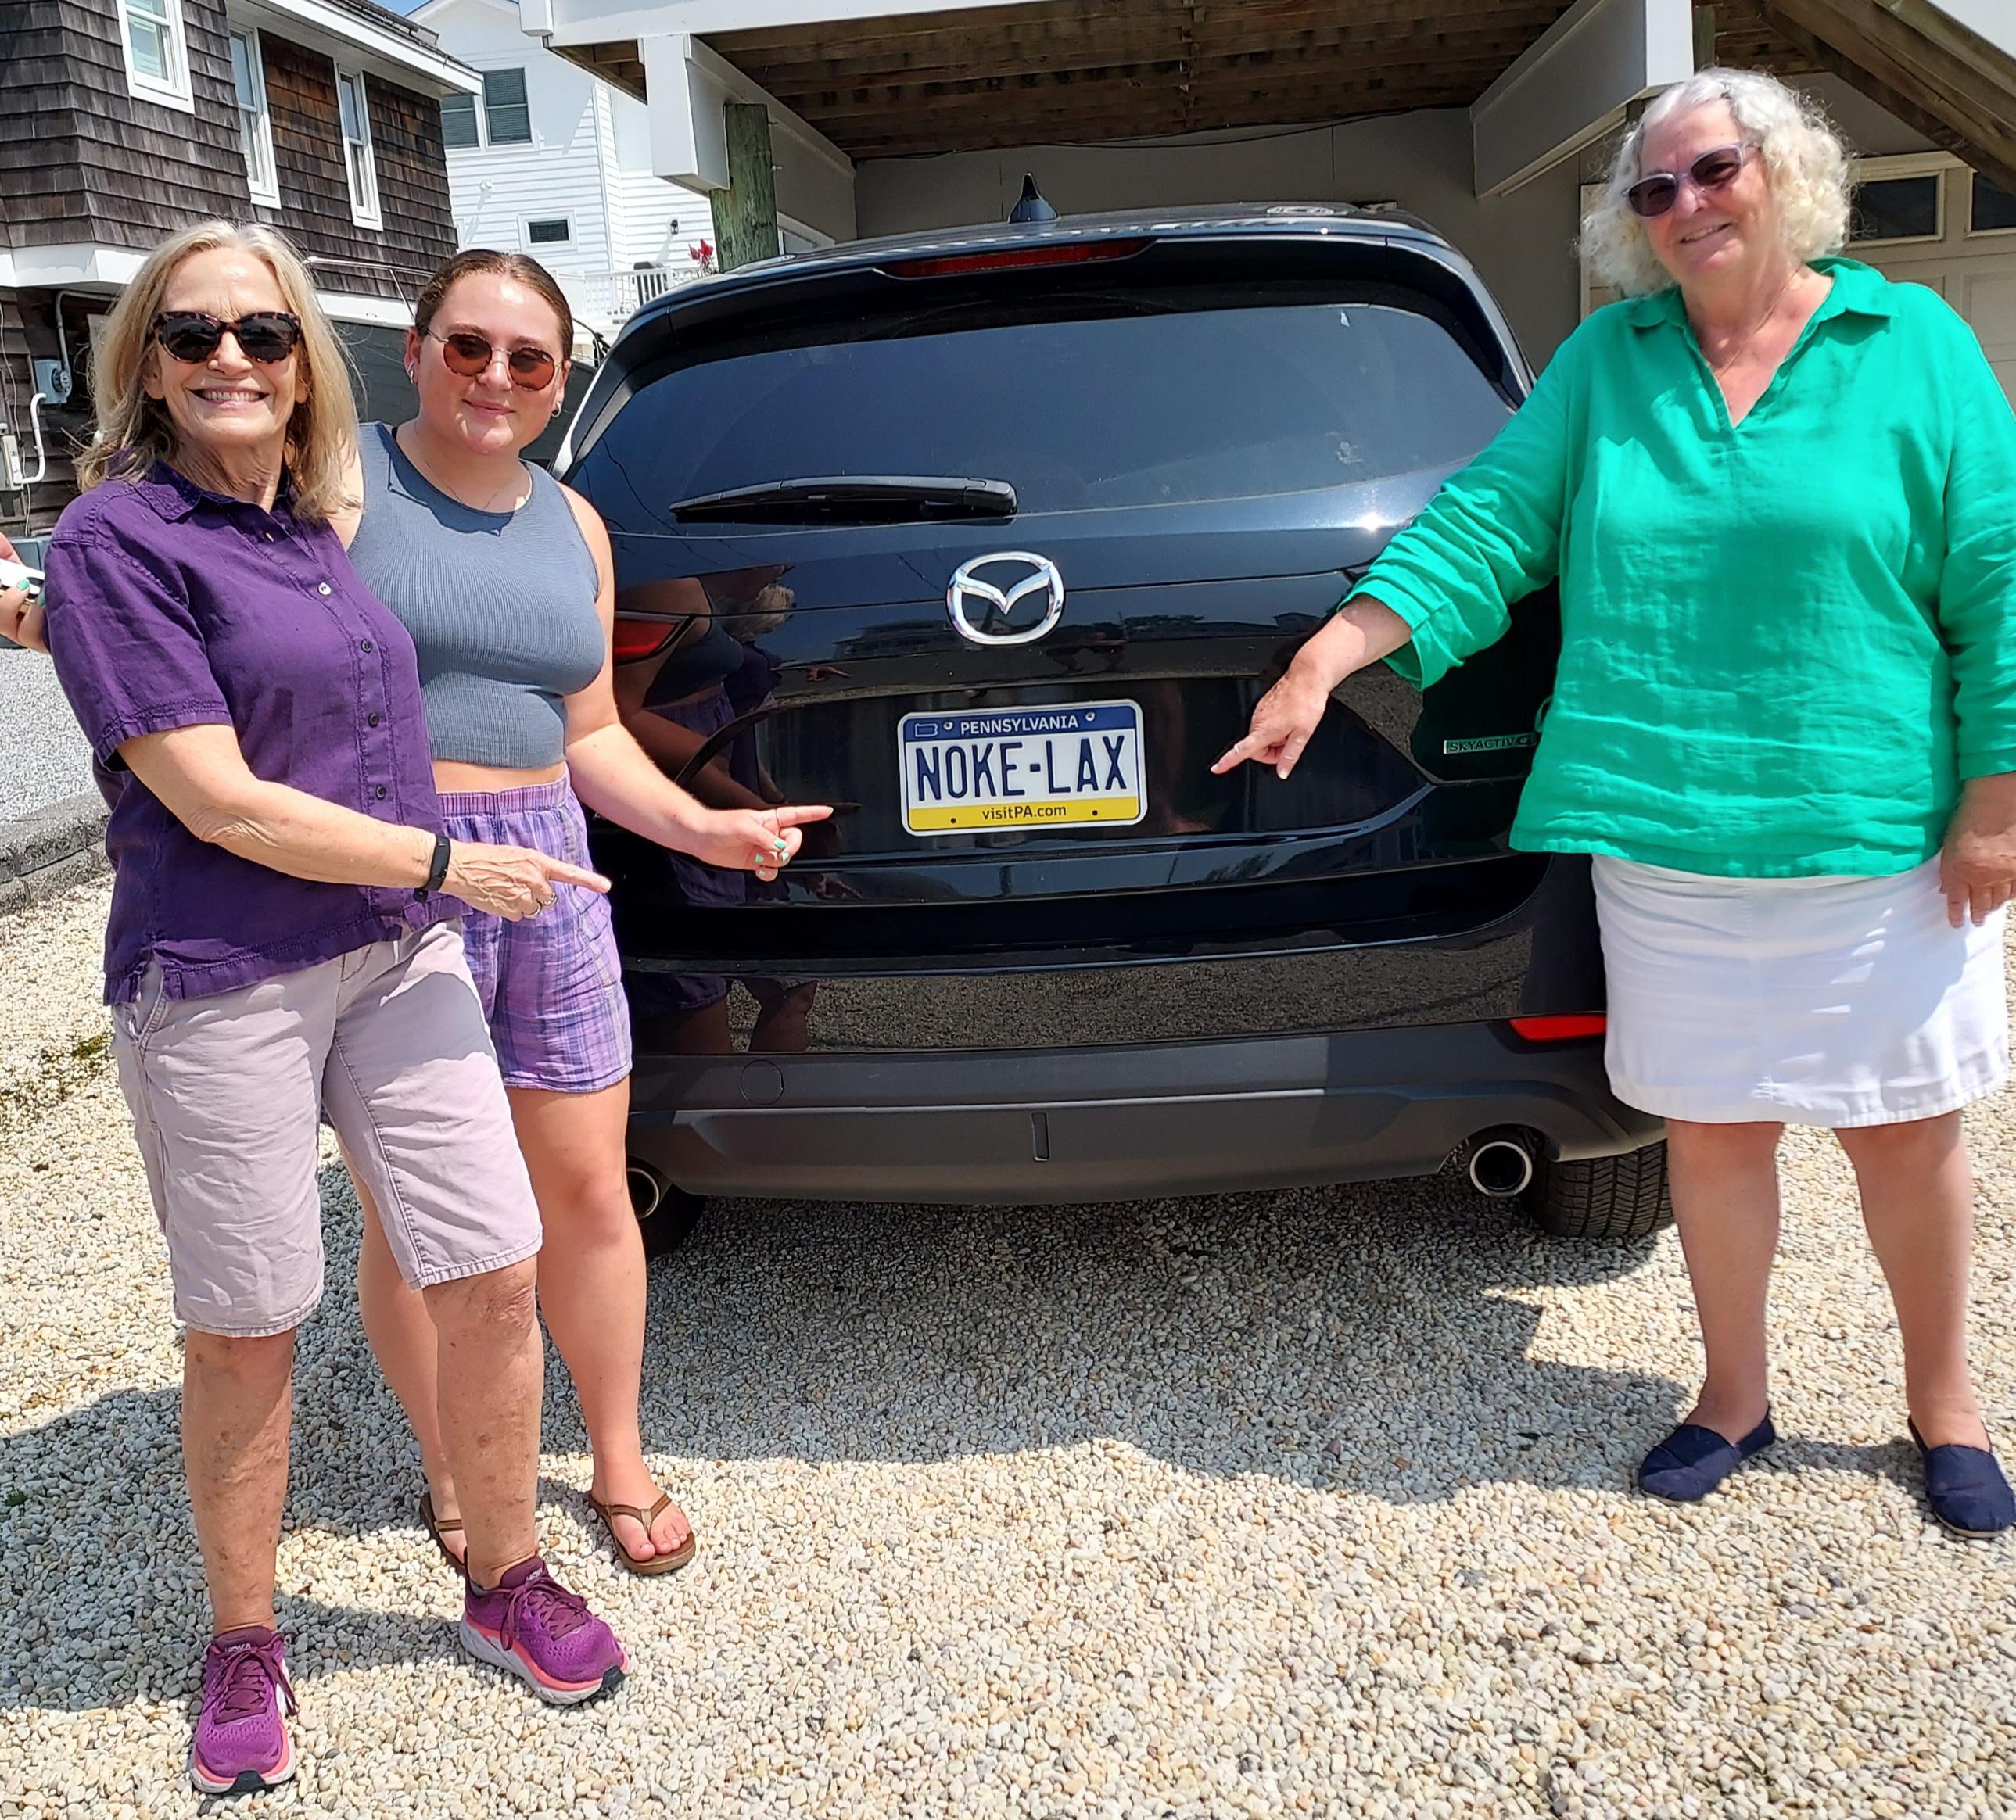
(1825, 1001)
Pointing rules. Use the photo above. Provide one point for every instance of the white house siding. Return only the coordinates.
(496, 188)
(588, 161)
(656, 221)
(1523, 244)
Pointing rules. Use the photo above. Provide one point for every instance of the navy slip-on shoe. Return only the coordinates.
(1966, 1488)
(1693, 1460)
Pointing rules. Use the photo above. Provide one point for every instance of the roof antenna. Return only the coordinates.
(1032, 207)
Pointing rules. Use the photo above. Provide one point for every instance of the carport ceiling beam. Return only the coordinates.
(574, 22)
(1916, 58)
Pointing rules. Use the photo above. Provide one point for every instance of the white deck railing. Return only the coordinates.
(606, 301)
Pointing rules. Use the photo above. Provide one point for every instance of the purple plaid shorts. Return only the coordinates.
(551, 986)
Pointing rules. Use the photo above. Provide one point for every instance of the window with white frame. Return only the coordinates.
(1891, 210)
(549, 230)
(255, 119)
(359, 164)
(459, 122)
(507, 114)
(156, 51)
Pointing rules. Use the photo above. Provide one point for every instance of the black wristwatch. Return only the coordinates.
(438, 871)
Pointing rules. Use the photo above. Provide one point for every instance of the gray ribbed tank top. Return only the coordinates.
(501, 605)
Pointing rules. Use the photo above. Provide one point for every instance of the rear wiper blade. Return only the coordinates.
(854, 499)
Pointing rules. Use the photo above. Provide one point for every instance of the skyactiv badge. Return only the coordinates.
(1490, 743)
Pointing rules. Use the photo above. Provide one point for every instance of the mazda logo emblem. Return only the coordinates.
(976, 606)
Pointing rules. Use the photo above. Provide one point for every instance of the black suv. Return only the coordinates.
(991, 538)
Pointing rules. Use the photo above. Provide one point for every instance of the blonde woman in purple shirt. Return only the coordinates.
(284, 946)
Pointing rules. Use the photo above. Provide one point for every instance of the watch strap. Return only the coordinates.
(437, 872)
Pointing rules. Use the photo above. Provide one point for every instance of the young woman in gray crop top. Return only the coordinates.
(504, 577)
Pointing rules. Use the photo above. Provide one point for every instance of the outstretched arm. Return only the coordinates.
(1444, 587)
(615, 777)
(1286, 718)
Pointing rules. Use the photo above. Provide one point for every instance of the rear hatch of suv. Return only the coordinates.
(1141, 468)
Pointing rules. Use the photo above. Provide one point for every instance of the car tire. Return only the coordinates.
(1603, 1197)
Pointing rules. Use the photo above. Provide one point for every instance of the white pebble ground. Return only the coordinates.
(43, 756)
(1305, 1503)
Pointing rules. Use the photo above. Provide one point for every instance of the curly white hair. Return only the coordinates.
(1803, 154)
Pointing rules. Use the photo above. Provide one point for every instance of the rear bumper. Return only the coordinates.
(1119, 1123)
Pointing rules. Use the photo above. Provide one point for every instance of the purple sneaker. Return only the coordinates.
(241, 1744)
(532, 1627)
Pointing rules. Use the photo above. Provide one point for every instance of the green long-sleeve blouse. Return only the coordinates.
(1785, 643)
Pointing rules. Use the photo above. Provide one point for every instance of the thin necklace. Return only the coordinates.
(518, 491)
(1720, 368)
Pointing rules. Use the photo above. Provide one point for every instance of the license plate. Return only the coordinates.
(1022, 768)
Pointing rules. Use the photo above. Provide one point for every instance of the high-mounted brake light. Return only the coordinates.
(1560, 1030)
(1077, 252)
(633, 638)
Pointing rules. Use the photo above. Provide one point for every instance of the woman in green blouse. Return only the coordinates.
(1779, 493)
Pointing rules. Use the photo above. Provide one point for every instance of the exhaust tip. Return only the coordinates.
(1501, 1164)
(647, 1188)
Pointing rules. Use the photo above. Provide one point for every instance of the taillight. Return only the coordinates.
(639, 637)
(1560, 1030)
(1077, 252)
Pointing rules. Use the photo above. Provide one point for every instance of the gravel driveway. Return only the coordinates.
(1309, 1503)
(43, 756)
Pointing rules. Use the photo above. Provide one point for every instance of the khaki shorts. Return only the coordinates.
(388, 1042)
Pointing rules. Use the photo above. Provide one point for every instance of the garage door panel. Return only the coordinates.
(1988, 301)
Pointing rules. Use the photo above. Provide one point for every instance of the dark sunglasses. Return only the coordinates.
(1651, 196)
(265, 336)
(469, 356)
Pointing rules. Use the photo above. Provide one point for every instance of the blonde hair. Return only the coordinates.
(1803, 155)
(134, 431)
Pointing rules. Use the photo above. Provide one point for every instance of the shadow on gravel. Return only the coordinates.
(1370, 1339)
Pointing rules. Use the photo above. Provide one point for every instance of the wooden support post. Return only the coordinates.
(1704, 37)
(745, 214)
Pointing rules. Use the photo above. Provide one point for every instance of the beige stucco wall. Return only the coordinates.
(1523, 244)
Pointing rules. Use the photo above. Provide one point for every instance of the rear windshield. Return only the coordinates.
(1151, 404)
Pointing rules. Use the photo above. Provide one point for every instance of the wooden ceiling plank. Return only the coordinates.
(1965, 109)
(1385, 100)
(1126, 47)
(896, 33)
(615, 63)
(1099, 105)
(962, 37)
(1126, 111)
(1922, 57)
(1079, 54)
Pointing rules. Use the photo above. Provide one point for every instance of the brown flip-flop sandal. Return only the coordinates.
(644, 1519)
(439, 1530)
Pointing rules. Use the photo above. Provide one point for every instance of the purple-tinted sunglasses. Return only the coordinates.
(1652, 196)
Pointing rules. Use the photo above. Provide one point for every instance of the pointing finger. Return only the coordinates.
(1251, 746)
(559, 870)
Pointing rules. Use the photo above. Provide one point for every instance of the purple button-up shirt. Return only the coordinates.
(171, 606)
